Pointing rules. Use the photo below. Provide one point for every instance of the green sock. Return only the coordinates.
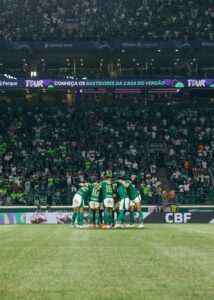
(131, 217)
(111, 218)
(124, 217)
(97, 218)
(120, 217)
(78, 218)
(81, 218)
(106, 217)
(141, 217)
(74, 218)
(89, 218)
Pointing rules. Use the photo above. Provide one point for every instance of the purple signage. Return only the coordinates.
(119, 83)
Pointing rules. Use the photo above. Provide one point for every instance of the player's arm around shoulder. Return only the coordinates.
(98, 186)
(124, 183)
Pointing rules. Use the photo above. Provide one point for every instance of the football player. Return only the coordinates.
(135, 201)
(78, 204)
(94, 201)
(106, 187)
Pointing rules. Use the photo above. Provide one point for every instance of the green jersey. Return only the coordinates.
(94, 193)
(107, 189)
(84, 192)
(121, 191)
(132, 192)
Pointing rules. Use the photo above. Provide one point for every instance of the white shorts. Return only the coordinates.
(108, 203)
(78, 201)
(124, 204)
(135, 201)
(94, 204)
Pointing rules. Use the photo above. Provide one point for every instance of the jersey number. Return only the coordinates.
(95, 192)
(109, 189)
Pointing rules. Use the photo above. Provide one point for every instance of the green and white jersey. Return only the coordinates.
(94, 193)
(84, 192)
(122, 192)
(107, 189)
(131, 190)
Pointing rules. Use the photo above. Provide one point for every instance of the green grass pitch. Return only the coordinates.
(162, 262)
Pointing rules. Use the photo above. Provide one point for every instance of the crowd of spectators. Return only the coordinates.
(51, 147)
(190, 142)
(44, 20)
(48, 148)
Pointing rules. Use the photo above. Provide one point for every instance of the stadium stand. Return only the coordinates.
(71, 20)
(47, 148)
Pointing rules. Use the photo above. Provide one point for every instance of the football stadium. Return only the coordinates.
(107, 150)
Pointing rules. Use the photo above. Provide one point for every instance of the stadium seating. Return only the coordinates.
(39, 20)
(47, 148)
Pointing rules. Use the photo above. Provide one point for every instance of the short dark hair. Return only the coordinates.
(93, 179)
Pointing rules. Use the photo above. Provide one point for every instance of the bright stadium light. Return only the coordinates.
(33, 74)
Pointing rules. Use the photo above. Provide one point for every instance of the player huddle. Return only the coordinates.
(107, 195)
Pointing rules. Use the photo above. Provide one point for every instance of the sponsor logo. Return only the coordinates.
(177, 84)
(150, 45)
(8, 83)
(207, 44)
(178, 217)
(196, 83)
(58, 45)
(34, 83)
